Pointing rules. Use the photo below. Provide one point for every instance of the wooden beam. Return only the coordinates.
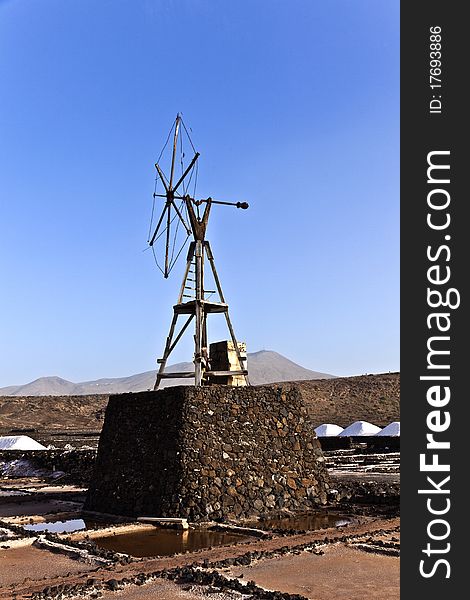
(182, 375)
(225, 373)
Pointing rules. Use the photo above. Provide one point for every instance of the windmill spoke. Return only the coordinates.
(167, 245)
(152, 240)
(179, 252)
(188, 169)
(174, 243)
(188, 231)
(162, 176)
(164, 229)
(173, 156)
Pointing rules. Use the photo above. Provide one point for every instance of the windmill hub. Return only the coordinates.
(223, 362)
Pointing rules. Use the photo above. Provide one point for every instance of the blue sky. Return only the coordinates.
(294, 107)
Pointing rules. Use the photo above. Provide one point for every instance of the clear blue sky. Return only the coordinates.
(294, 107)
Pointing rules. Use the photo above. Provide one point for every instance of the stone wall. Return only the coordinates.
(207, 453)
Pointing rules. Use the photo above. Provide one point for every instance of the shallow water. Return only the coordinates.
(164, 542)
(58, 526)
(302, 522)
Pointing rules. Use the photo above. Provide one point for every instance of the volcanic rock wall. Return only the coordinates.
(207, 453)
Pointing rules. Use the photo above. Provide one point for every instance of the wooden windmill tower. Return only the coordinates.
(184, 209)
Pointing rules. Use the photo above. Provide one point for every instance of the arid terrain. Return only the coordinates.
(347, 549)
(342, 400)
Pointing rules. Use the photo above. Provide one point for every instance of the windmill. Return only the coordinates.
(180, 219)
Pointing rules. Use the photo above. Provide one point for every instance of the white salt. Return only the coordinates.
(328, 430)
(360, 428)
(392, 429)
(19, 442)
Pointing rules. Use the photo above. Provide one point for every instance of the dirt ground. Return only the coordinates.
(27, 565)
(342, 573)
(168, 590)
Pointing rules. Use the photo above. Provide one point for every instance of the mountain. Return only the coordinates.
(267, 366)
(44, 386)
(264, 366)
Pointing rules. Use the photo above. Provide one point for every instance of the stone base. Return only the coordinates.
(213, 452)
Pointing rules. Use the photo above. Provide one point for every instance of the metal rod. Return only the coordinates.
(191, 164)
(152, 239)
(167, 249)
(243, 205)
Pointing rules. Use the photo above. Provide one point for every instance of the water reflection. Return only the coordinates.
(58, 526)
(308, 522)
(164, 542)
